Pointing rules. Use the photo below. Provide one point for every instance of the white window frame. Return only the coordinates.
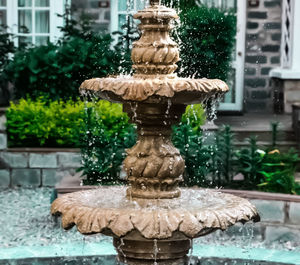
(56, 7)
(5, 9)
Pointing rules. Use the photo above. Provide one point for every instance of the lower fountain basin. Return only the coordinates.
(195, 213)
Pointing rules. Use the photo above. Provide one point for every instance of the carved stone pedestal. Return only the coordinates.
(154, 166)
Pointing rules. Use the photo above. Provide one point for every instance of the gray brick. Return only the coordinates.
(270, 211)
(274, 3)
(15, 160)
(265, 70)
(252, 37)
(257, 15)
(260, 94)
(255, 82)
(272, 25)
(256, 106)
(26, 177)
(42, 161)
(3, 141)
(4, 178)
(2, 123)
(250, 71)
(276, 36)
(252, 25)
(270, 48)
(69, 160)
(256, 59)
(281, 234)
(275, 60)
(51, 177)
(294, 213)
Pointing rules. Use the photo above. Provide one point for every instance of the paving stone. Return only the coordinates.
(294, 213)
(270, 211)
(51, 177)
(281, 234)
(15, 160)
(3, 141)
(42, 161)
(69, 160)
(4, 178)
(27, 177)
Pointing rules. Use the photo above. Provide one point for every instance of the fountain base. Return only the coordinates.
(136, 247)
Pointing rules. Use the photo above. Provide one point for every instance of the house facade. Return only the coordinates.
(266, 66)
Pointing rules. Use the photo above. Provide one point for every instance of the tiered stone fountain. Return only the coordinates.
(153, 220)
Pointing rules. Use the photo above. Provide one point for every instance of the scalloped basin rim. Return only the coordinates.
(195, 213)
(179, 90)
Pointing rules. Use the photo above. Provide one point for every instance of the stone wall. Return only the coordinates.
(263, 39)
(279, 225)
(34, 167)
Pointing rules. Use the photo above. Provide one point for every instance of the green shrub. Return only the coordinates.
(33, 123)
(278, 172)
(206, 36)
(56, 70)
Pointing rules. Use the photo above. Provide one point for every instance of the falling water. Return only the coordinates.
(155, 251)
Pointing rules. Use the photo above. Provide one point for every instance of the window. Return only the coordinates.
(34, 21)
(123, 9)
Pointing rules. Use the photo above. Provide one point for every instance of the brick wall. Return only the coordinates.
(263, 39)
(34, 168)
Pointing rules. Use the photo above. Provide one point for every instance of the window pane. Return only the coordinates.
(122, 21)
(42, 21)
(3, 17)
(140, 4)
(41, 3)
(41, 40)
(2, 2)
(124, 4)
(24, 3)
(25, 21)
(24, 40)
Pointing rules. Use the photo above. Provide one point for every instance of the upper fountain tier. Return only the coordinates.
(154, 58)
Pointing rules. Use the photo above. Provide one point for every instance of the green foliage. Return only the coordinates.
(278, 172)
(6, 47)
(194, 116)
(195, 154)
(56, 71)
(249, 162)
(206, 36)
(32, 123)
(103, 146)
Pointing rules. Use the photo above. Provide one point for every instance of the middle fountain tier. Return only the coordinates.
(153, 213)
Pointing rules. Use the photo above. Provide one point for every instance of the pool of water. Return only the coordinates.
(29, 235)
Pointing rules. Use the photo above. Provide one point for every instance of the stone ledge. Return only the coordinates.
(42, 150)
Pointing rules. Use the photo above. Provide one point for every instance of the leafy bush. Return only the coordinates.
(56, 70)
(34, 123)
(278, 170)
(206, 36)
